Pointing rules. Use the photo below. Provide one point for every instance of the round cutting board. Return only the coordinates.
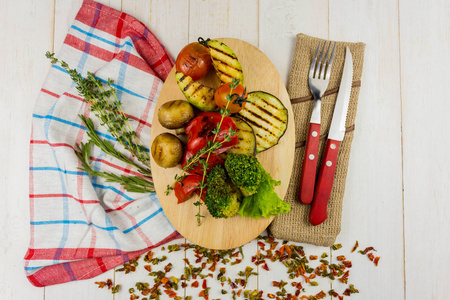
(259, 74)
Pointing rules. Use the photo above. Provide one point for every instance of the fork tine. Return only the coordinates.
(319, 63)
(331, 62)
(323, 62)
(313, 64)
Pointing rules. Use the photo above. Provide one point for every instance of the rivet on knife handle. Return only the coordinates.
(318, 211)
(308, 174)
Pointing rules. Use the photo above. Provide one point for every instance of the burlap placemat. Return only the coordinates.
(295, 226)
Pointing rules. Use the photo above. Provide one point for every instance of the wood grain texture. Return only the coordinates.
(425, 63)
(23, 69)
(372, 209)
(281, 21)
(228, 19)
(259, 74)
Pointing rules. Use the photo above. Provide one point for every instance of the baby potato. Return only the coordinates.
(167, 150)
(175, 114)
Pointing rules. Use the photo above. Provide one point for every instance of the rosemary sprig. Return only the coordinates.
(109, 149)
(107, 108)
(134, 184)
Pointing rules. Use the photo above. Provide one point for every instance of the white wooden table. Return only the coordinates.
(398, 189)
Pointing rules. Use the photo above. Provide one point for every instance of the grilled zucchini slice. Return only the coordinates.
(268, 118)
(246, 137)
(196, 93)
(225, 62)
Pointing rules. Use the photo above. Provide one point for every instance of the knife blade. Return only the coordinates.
(318, 211)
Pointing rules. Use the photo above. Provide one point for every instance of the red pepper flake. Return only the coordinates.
(204, 284)
(170, 293)
(347, 292)
(262, 245)
(213, 267)
(204, 294)
(355, 247)
(265, 267)
(299, 286)
(371, 256)
(271, 296)
(184, 284)
(149, 255)
(312, 276)
(376, 261)
(233, 285)
(367, 250)
(148, 268)
(168, 267)
(313, 257)
(304, 297)
(281, 251)
(288, 250)
(236, 254)
(273, 245)
(297, 293)
(194, 284)
(239, 293)
(321, 295)
(340, 258)
(186, 261)
(347, 263)
(276, 283)
(164, 280)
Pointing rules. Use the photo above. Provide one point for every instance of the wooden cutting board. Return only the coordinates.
(259, 74)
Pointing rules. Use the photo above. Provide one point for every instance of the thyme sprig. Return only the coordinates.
(211, 147)
(107, 108)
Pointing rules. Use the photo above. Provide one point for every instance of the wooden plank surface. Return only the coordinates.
(405, 71)
(425, 62)
(23, 69)
(370, 191)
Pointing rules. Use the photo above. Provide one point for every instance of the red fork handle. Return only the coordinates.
(308, 175)
(318, 211)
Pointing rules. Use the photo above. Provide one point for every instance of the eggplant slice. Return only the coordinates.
(267, 116)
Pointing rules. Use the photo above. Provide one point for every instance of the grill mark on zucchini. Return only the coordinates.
(224, 63)
(221, 51)
(197, 89)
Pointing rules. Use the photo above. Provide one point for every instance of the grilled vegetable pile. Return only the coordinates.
(222, 129)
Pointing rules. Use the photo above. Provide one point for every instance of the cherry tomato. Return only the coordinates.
(185, 188)
(194, 60)
(220, 97)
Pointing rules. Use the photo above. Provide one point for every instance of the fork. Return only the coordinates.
(319, 76)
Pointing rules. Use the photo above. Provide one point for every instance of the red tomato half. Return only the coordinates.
(194, 60)
(199, 131)
(213, 160)
(185, 189)
(237, 95)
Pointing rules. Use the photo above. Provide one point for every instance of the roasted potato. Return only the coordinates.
(175, 114)
(167, 150)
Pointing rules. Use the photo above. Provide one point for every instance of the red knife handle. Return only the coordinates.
(308, 175)
(318, 211)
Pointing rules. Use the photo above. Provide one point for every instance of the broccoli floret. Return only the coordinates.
(245, 172)
(222, 197)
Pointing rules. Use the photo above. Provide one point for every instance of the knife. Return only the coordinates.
(318, 211)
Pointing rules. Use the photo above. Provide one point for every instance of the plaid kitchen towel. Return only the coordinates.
(82, 226)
